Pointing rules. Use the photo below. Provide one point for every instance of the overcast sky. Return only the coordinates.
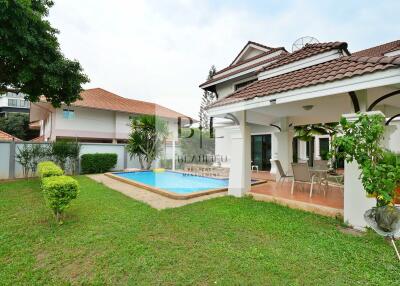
(160, 51)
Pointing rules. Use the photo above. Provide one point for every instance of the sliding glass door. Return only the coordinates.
(261, 151)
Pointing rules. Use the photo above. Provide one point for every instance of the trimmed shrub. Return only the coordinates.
(58, 192)
(49, 169)
(98, 162)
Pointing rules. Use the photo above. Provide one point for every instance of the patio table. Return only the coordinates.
(339, 179)
(321, 174)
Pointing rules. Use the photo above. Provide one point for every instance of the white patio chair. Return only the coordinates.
(282, 173)
(254, 167)
(302, 174)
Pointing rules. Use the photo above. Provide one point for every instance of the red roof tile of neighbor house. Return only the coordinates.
(337, 69)
(38, 139)
(379, 50)
(102, 99)
(7, 137)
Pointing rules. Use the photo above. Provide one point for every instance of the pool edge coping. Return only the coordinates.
(169, 194)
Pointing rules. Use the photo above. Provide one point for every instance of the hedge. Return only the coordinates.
(58, 192)
(98, 162)
(49, 169)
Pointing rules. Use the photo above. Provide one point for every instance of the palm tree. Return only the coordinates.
(146, 138)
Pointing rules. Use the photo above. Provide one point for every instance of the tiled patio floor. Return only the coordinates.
(330, 203)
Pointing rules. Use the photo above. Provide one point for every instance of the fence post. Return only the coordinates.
(11, 162)
(125, 158)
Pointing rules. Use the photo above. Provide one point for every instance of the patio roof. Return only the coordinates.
(341, 68)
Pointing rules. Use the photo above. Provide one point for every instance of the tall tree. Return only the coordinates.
(208, 98)
(31, 61)
(17, 124)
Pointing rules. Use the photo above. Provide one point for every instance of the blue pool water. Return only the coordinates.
(175, 182)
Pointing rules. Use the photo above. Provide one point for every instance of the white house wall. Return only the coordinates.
(392, 136)
(224, 89)
(88, 123)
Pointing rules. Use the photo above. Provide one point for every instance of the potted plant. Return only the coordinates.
(360, 141)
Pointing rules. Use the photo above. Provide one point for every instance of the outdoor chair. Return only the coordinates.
(281, 172)
(302, 174)
(254, 167)
(321, 169)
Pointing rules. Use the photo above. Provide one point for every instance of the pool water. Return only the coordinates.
(175, 182)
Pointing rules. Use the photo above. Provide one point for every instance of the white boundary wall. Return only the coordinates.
(10, 168)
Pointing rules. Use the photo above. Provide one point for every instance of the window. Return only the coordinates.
(243, 84)
(24, 103)
(13, 102)
(68, 114)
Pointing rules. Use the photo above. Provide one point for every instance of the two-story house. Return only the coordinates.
(13, 103)
(257, 62)
(100, 117)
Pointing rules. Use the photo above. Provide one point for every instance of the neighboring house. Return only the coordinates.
(256, 64)
(101, 116)
(7, 137)
(13, 103)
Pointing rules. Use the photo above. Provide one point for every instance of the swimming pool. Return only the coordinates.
(172, 184)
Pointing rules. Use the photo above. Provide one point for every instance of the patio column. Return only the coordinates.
(240, 170)
(317, 155)
(356, 201)
(281, 148)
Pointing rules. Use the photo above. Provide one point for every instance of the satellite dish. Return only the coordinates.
(301, 42)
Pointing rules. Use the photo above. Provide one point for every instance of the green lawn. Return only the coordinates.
(111, 239)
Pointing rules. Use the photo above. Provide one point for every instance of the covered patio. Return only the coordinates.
(325, 200)
(300, 97)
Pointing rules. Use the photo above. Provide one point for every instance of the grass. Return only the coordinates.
(108, 238)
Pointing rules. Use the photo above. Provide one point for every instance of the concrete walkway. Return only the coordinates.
(154, 200)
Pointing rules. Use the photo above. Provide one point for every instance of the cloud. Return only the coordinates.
(160, 51)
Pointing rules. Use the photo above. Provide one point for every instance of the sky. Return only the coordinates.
(160, 51)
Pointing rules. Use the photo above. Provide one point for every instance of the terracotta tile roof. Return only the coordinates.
(7, 137)
(214, 79)
(308, 51)
(263, 54)
(379, 50)
(38, 139)
(102, 99)
(287, 58)
(341, 68)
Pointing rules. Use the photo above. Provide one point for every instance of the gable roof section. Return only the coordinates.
(260, 63)
(308, 51)
(249, 44)
(337, 69)
(8, 137)
(102, 99)
(379, 50)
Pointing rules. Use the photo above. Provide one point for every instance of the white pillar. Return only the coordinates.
(356, 202)
(281, 143)
(240, 170)
(173, 154)
(274, 152)
(317, 155)
(302, 154)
